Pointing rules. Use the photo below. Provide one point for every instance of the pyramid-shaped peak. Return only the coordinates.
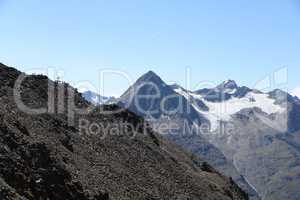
(151, 73)
(150, 76)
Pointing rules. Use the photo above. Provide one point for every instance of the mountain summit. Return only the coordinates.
(150, 76)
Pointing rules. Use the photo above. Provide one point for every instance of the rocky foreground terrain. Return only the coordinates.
(43, 156)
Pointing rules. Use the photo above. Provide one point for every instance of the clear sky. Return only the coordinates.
(244, 40)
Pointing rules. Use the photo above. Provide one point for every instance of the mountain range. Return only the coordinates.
(97, 99)
(248, 135)
(185, 146)
(44, 156)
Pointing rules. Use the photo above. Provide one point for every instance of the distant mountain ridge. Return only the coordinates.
(97, 99)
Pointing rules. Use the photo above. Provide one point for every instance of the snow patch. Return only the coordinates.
(222, 111)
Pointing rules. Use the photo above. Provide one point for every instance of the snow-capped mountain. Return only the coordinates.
(97, 99)
(257, 133)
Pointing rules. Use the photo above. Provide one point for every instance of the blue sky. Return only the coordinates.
(244, 40)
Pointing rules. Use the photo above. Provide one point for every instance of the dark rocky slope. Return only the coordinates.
(44, 157)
